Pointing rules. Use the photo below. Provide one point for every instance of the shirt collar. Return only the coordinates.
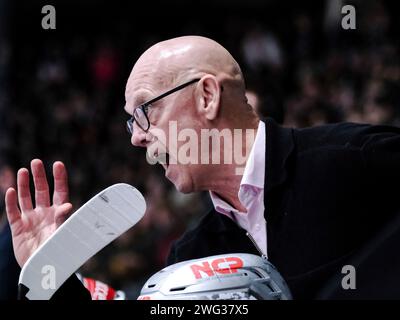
(254, 170)
(253, 174)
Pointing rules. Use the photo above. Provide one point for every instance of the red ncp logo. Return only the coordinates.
(220, 265)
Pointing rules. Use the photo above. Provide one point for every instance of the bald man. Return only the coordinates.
(306, 199)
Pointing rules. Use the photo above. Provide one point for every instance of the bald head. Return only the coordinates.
(174, 61)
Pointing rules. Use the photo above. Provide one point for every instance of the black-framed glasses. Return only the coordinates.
(140, 112)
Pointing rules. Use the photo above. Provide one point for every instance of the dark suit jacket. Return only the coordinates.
(328, 189)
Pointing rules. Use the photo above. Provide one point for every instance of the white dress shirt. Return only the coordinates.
(251, 194)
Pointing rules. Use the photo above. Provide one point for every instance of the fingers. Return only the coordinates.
(42, 196)
(62, 214)
(13, 213)
(24, 193)
(61, 193)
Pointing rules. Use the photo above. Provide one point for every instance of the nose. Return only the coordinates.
(139, 137)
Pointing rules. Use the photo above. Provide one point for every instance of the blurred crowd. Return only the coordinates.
(64, 101)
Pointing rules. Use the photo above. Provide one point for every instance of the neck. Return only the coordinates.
(224, 179)
(226, 186)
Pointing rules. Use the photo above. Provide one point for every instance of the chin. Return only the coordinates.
(181, 182)
(184, 188)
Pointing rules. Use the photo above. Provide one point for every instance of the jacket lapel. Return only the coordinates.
(280, 145)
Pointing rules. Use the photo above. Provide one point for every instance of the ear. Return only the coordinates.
(208, 96)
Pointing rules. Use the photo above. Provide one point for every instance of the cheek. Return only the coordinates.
(180, 125)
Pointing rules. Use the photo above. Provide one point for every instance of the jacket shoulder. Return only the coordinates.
(344, 134)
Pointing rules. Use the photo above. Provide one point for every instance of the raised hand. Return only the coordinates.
(30, 227)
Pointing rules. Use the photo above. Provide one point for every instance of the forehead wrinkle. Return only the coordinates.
(148, 88)
(140, 86)
(136, 99)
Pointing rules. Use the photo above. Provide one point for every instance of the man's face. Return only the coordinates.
(168, 118)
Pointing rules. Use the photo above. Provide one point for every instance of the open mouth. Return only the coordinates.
(158, 155)
(163, 159)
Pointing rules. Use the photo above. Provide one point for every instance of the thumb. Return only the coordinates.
(63, 212)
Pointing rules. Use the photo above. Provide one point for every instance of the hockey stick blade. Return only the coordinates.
(93, 226)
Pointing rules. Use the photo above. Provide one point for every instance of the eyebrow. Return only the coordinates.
(126, 108)
(142, 98)
(137, 101)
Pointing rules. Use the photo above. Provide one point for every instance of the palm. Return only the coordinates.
(30, 232)
(30, 226)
